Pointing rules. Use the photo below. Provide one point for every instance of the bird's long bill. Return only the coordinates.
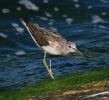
(79, 53)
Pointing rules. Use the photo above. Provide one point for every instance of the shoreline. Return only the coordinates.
(65, 83)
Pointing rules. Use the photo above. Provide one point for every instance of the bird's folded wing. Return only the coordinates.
(41, 36)
(38, 35)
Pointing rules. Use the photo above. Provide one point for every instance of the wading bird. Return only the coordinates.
(51, 42)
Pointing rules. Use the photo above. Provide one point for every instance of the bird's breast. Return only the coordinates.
(51, 50)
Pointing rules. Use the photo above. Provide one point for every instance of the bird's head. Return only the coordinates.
(71, 48)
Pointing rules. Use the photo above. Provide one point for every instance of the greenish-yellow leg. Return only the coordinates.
(47, 67)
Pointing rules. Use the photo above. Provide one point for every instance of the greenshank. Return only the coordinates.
(51, 42)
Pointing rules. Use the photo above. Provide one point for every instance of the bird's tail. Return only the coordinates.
(30, 27)
(25, 21)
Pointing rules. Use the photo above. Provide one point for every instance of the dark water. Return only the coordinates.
(86, 22)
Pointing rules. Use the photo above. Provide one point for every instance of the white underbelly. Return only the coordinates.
(51, 50)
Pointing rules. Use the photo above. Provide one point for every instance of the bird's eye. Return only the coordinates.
(69, 46)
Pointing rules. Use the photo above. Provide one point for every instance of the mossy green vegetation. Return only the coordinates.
(63, 82)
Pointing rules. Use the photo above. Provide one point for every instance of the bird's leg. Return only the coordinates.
(47, 67)
(50, 67)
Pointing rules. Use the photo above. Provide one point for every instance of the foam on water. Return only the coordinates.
(97, 19)
(56, 9)
(29, 5)
(19, 8)
(20, 53)
(48, 14)
(77, 5)
(45, 1)
(89, 6)
(75, 0)
(3, 35)
(43, 18)
(69, 20)
(104, 1)
(18, 28)
(5, 10)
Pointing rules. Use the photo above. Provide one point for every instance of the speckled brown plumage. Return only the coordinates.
(42, 35)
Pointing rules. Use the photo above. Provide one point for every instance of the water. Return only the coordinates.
(85, 22)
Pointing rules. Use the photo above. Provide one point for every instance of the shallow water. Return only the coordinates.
(85, 22)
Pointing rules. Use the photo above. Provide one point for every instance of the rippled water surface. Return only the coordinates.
(86, 22)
